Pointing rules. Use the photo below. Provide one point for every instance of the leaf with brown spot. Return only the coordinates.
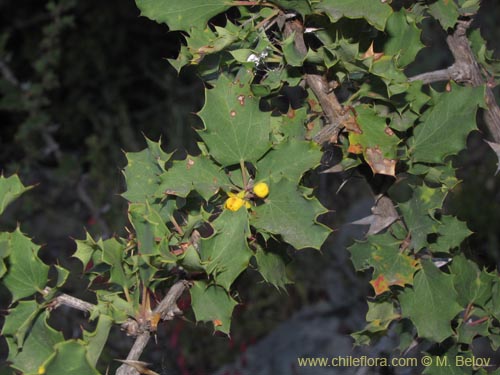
(370, 52)
(379, 147)
(378, 163)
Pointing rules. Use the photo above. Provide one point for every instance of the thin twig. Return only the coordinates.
(334, 112)
(168, 309)
(67, 300)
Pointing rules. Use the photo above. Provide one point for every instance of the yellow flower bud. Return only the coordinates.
(41, 370)
(261, 190)
(234, 203)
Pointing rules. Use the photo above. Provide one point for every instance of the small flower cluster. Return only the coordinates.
(238, 200)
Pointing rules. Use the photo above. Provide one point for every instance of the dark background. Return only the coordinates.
(83, 81)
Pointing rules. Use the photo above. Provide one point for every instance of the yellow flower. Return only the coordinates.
(41, 370)
(234, 203)
(261, 190)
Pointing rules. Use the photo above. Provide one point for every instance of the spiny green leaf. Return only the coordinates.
(272, 267)
(226, 254)
(143, 170)
(279, 162)
(301, 6)
(18, 321)
(473, 286)
(27, 273)
(466, 332)
(377, 142)
(4, 251)
(447, 364)
(375, 12)
(150, 227)
(182, 15)
(235, 128)
(111, 304)
(10, 189)
(86, 248)
(445, 11)
(194, 173)
(38, 346)
(432, 303)
(96, 340)
(361, 251)
(446, 124)
(211, 303)
(418, 211)
(378, 317)
(451, 232)
(391, 267)
(292, 56)
(62, 275)
(113, 253)
(70, 358)
(278, 215)
(404, 38)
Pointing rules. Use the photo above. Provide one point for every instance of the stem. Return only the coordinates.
(168, 309)
(176, 225)
(479, 321)
(244, 174)
(127, 294)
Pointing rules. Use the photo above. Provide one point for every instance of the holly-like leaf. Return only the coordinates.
(226, 254)
(301, 6)
(181, 15)
(445, 11)
(143, 170)
(10, 189)
(404, 38)
(376, 141)
(278, 215)
(86, 248)
(417, 213)
(451, 232)
(70, 358)
(447, 364)
(473, 286)
(96, 340)
(236, 129)
(19, 320)
(432, 303)
(211, 303)
(279, 163)
(378, 317)
(27, 274)
(62, 275)
(38, 346)
(390, 265)
(438, 136)
(375, 12)
(194, 173)
(272, 267)
(4, 251)
(468, 330)
(111, 304)
(113, 253)
(150, 227)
